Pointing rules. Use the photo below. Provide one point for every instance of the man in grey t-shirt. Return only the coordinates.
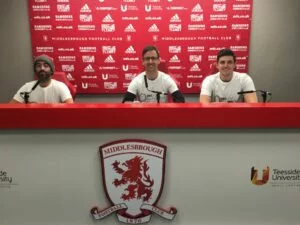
(152, 85)
(225, 85)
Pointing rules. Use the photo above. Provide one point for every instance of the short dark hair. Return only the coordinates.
(226, 52)
(150, 48)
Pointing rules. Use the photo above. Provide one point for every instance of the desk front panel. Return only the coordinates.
(54, 177)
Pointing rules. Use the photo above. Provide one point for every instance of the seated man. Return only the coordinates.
(152, 85)
(45, 89)
(225, 85)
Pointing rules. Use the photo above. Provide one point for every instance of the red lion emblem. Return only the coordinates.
(135, 175)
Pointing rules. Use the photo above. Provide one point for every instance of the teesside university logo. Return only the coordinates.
(133, 178)
(276, 177)
(265, 176)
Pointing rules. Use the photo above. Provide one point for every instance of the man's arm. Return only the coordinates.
(13, 101)
(131, 93)
(129, 97)
(69, 100)
(18, 98)
(249, 85)
(177, 96)
(65, 93)
(173, 89)
(206, 90)
(205, 99)
(250, 98)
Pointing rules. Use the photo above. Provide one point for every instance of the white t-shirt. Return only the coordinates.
(55, 92)
(163, 83)
(221, 91)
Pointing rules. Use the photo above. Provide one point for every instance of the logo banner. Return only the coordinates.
(89, 39)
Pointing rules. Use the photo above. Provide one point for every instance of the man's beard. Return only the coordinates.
(151, 67)
(44, 76)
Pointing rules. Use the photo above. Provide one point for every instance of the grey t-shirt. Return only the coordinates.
(56, 92)
(221, 91)
(163, 83)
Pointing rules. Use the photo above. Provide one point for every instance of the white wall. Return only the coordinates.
(57, 176)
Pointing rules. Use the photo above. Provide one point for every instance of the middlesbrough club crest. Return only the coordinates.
(133, 177)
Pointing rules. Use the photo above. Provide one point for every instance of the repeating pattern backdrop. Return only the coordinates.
(98, 43)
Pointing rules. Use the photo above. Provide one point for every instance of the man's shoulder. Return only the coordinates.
(136, 82)
(241, 76)
(31, 82)
(212, 77)
(163, 73)
(138, 77)
(164, 76)
(57, 83)
(27, 86)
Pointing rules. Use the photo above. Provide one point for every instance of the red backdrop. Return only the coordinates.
(98, 43)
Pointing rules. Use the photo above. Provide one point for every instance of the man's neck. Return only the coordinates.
(45, 84)
(152, 75)
(226, 78)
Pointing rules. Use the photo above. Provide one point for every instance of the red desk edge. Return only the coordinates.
(168, 115)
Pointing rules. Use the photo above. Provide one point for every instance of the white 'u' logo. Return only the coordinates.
(147, 8)
(84, 85)
(123, 8)
(104, 76)
(189, 84)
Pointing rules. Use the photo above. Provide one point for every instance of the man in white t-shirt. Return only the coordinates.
(225, 85)
(45, 89)
(152, 85)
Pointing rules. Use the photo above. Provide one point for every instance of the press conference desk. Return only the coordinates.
(50, 153)
(170, 115)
